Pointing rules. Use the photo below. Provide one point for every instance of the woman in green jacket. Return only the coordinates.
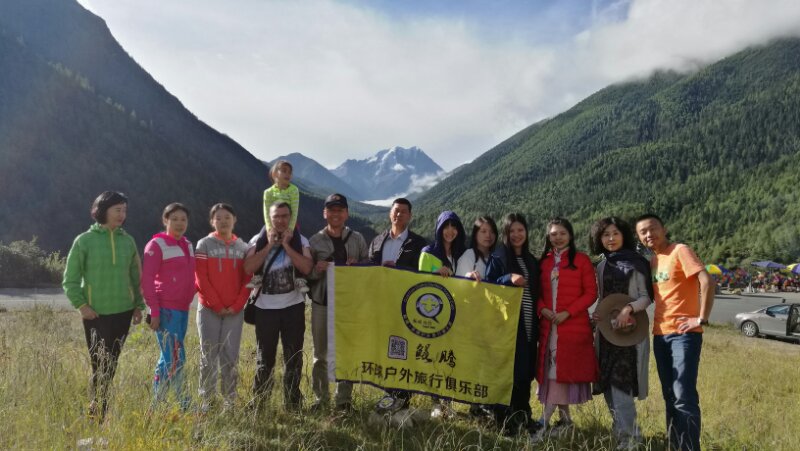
(102, 281)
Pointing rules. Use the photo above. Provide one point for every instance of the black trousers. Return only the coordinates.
(518, 414)
(105, 336)
(288, 325)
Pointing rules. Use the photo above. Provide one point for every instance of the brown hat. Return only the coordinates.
(608, 309)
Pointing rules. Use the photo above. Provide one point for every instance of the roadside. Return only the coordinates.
(26, 298)
(726, 306)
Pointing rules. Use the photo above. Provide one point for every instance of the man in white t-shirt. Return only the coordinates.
(280, 255)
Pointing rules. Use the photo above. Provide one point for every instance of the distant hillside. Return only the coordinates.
(716, 153)
(317, 177)
(389, 173)
(78, 116)
(359, 211)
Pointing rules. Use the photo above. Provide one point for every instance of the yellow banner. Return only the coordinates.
(451, 337)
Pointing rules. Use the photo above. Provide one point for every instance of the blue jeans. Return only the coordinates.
(678, 361)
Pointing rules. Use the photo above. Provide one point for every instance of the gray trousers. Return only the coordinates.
(623, 411)
(319, 371)
(220, 337)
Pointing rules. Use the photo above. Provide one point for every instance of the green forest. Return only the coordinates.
(715, 153)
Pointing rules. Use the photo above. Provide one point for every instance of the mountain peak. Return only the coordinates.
(390, 172)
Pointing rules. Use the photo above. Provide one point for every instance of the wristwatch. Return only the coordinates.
(703, 322)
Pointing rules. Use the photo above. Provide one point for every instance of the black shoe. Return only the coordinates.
(344, 408)
(93, 412)
(318, 407)
(389, 404)
(513, 427)
(480, 412)
(534, 426)
(295, 406)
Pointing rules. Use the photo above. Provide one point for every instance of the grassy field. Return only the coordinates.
(749, 389)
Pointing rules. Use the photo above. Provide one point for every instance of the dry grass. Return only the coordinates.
(749, 394)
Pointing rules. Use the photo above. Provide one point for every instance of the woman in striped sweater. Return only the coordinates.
(523, 271)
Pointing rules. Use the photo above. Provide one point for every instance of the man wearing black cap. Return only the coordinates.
(339, 244)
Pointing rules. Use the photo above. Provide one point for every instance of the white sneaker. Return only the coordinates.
(440, 411)
(88, 444)
(402, 419)
(628, 443)
(204, 408)
(540, 435)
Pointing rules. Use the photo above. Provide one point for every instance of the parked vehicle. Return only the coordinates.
(780, 320)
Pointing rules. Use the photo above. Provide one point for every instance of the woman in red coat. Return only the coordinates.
(566, 349)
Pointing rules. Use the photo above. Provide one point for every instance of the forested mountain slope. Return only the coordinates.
(716, 153)
(78, 116)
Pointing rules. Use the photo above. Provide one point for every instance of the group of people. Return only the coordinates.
(265, 282)
(775, 282)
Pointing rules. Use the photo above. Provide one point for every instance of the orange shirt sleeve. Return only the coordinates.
(689, 261)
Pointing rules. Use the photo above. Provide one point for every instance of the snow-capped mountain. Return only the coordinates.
(391, 172)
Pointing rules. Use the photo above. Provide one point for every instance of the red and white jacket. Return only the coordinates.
(168, 273)
(219, 274)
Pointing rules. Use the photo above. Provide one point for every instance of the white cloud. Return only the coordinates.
(424, 182)
(333, 81)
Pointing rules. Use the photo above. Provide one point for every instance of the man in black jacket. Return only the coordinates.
(397, 247)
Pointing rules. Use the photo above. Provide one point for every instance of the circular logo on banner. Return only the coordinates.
(428, 309)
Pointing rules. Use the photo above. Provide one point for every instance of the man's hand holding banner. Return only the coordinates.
(450, 337)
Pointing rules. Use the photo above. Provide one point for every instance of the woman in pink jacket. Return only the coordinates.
(169, 287)
(566, 344)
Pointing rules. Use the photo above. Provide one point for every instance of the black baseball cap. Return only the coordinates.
(335, 200)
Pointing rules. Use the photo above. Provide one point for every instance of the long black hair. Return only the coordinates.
(573, 250)
(473, 240)
(596, 235)
(508, 221)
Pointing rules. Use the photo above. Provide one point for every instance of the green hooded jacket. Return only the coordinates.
(103, 271)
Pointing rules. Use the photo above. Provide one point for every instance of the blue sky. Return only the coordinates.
(534, 21)
(343, 79)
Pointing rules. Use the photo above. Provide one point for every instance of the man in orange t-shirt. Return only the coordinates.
(684, 297)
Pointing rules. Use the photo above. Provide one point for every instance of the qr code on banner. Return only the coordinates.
(398, 348)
